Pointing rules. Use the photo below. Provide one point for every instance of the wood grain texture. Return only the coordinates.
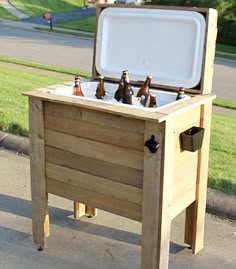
(157, 193)
(94, 183)
(119, 173)
(96, 117)
(104, 202)
(195, 214)
(95, 132)
(39, 196)
(94, 149)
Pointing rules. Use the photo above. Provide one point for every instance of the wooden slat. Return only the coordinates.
(96, 132)
(185, 174)
(186, 106)
(107, 203)
(183, 202)
(209, 52)
(96, 150)
(195, 215)
(186, 119)
(184, 187)
(94, 183)
(181, 157)
(122, 174)
(40, 217)
(157, 194)
(88, 115)
(82, 209)
(79, 210)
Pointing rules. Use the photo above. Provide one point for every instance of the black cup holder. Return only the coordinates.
(191, 139)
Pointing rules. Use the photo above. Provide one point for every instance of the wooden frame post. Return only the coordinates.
(195, 213)
(39, 195)
(156, 210)
(82, 209)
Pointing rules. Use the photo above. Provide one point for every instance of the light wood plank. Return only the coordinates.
(107, 203)
(39, 196)
(122, 174)
(82, 210)
(94, 183)
(209, 51)
(195, 215)
(91, 116)
(157, 194)
(94, 149)
(79, 210)
(183, 202)
(91, 211)
(96, 132)
(184, 186)
(188, 105)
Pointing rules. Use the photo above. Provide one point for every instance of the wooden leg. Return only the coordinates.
(156, 220)
(91, 211)
(189, 224)
(82, 209)
(40, 217)
(79, 210)
(195, 213)
(40, 220)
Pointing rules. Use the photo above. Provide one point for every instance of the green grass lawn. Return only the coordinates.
(222, 165)
(38, 7)
(14, 106)
(45, 67)
(14, 119)
(226, 48)
(5, 14)
(224, 103)
(87, 24)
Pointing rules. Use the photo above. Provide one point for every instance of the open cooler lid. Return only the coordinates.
(167, 44)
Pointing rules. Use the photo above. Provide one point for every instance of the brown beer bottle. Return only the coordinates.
(128, 92)
(144, 90)
(180, 94)
(100, 91)
(153, 100)
(77, 88)
(119, 91)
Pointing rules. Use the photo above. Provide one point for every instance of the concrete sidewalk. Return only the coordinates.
(103, 242)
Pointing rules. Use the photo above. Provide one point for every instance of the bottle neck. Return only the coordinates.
(77, 83)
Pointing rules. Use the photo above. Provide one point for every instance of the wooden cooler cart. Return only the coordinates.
(144, 165)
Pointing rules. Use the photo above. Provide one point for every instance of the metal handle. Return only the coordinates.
(152, 144)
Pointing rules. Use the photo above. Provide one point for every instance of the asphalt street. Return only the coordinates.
(46, 48)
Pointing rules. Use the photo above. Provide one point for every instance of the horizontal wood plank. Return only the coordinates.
(96, 132)
(94, 149)
(107, 203)
(94, 183)
(122, 174)
(92, 116)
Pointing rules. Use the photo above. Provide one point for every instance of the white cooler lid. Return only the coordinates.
(166, 44)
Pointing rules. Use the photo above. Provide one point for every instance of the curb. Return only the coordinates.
(218, 203)
(15, 143)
